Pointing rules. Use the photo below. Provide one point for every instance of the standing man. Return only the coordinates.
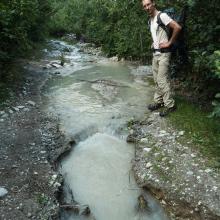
(161, 57)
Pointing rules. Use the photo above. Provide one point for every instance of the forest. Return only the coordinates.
(119, 28)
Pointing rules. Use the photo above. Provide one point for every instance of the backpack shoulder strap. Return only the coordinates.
(162, 25)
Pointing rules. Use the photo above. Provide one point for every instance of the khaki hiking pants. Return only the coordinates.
(160, 67)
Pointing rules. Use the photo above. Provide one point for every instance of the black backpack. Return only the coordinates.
(179, 47)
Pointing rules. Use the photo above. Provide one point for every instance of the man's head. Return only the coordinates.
(149, 6)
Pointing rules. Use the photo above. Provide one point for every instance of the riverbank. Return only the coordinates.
(173, 171)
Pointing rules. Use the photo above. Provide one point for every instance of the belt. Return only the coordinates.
(163, 50)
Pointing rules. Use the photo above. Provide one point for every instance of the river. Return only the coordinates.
(94, 99)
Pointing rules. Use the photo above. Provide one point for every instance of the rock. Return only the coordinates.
(147, 149)
(142, 204)
(5, 115)
(20, 107)
(144, 140)
(193, 155)
(148, 165)
(115, 59)
(190, 173)
(3, 192)
(31, 103)
(208, 170)
(85, 210)
(2, 112)
(181, 133)
(16, 109)
(55, 65)
(131, 138)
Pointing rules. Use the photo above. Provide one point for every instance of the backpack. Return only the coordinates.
(178, 48)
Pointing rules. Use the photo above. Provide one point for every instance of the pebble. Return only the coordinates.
(208, 170)
(144, 140)
(31, 103)
(148, 165)
(181, 133)
(3, 192)
(16, 109)
(147, 149)
(193, 155)
(189, 173)
(2, 112)
(54, 177)
(20, 107)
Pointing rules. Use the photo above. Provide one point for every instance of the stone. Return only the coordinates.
(148, 165)
(190, 173)
(193, 155)
(3, 192)
(31, 103)
(208, 170)
(20, 107)
(16, 109)
(181, 133)
(147, 149)
(2, 112)
(144, 140)
(55, 65)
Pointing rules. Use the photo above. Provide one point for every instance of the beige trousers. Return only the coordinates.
(160, 67)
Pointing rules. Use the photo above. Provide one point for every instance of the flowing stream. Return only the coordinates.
(94, 98)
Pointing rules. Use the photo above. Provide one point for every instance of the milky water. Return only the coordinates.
(93, 101)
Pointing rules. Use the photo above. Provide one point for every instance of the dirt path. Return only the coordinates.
(28, 140)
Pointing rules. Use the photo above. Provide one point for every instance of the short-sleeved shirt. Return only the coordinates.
(158, 34)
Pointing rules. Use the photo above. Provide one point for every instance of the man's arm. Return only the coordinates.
(176, 28)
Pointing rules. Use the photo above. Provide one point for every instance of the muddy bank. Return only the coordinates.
(30, 141)
(173, 171)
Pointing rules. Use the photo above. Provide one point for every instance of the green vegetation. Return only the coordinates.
(201, 129)
(42, 199)
(22, 22)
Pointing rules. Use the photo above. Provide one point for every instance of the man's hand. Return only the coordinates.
(164, 45)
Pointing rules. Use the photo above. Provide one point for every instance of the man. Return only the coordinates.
(161, 57)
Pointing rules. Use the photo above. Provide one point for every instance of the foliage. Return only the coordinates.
(215, 64)
(22, 22)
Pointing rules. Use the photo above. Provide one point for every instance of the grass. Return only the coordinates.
(204, 132)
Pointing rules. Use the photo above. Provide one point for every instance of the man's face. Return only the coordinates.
(148, 6)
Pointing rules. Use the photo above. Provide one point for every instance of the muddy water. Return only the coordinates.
(94, 98)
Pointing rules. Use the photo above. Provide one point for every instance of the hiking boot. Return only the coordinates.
(166, 111)
(154, 106)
